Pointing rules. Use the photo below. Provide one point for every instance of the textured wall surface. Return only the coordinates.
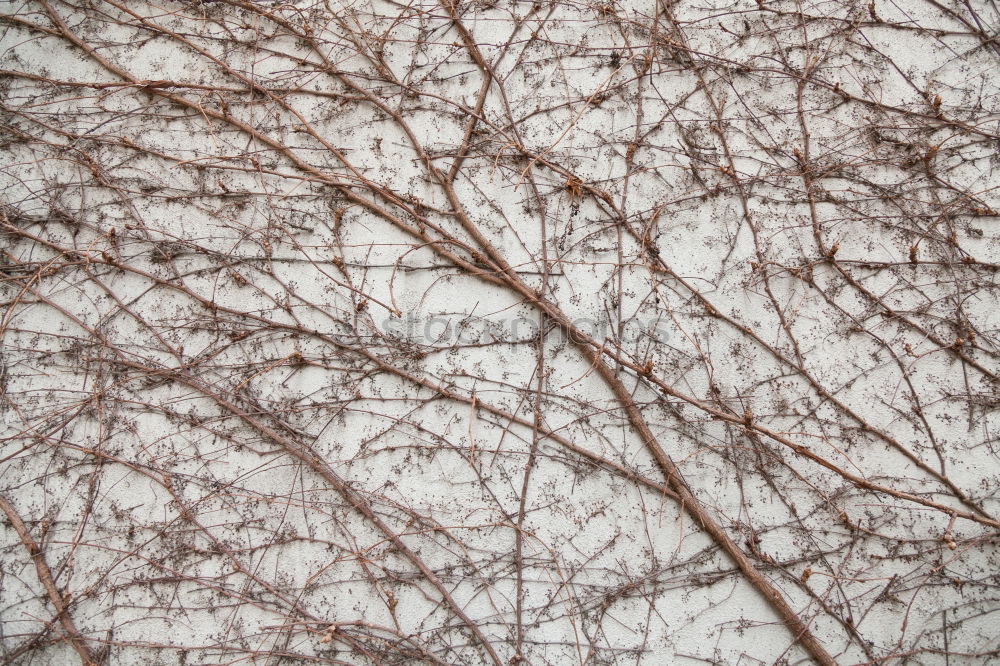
(499, 332)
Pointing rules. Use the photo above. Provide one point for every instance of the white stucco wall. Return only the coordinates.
(260, 379)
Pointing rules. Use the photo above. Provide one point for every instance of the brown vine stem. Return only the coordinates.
(60, 600)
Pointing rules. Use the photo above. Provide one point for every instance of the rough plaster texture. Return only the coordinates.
(247, 321)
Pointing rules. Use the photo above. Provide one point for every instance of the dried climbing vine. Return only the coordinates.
(499, 332)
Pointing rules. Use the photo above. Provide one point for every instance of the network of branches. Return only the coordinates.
(499, 332)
